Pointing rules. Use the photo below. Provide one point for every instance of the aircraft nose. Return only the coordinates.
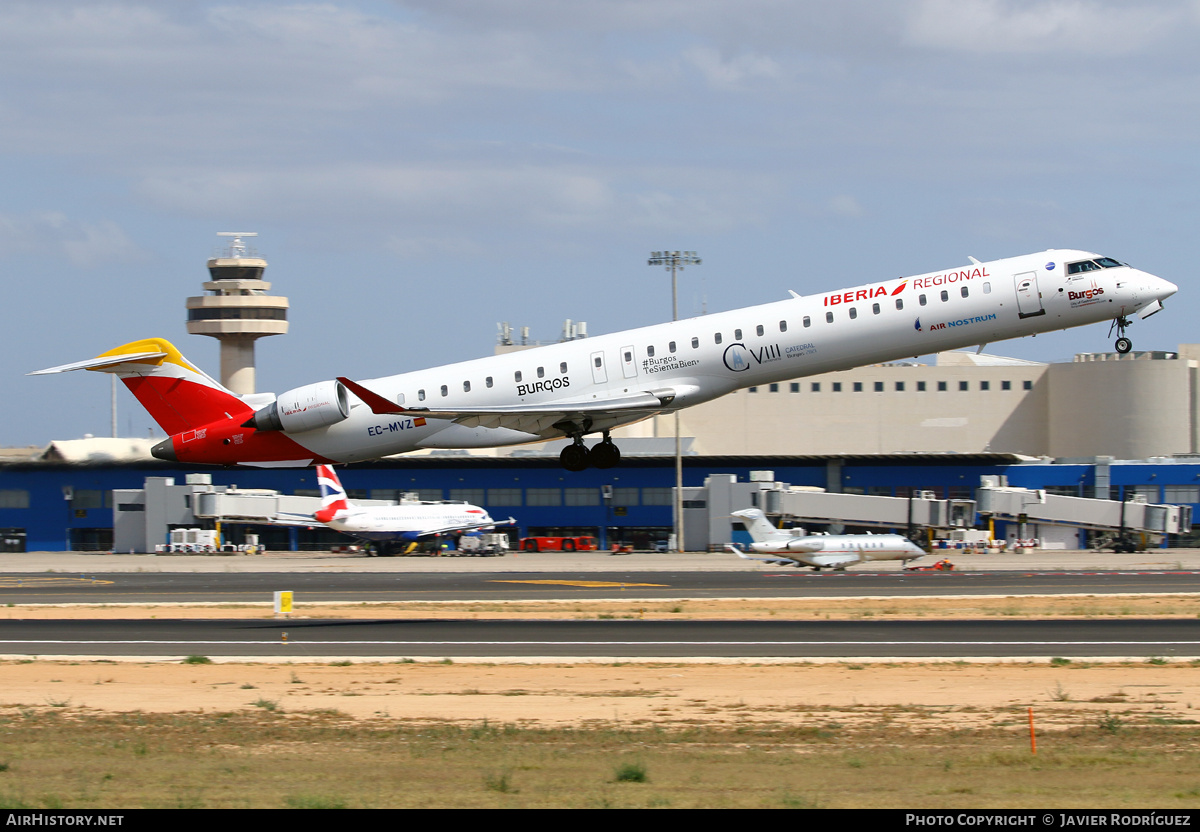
(1162, 289)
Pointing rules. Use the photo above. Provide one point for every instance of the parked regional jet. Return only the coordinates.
(822, 551)
(385, 525)
(590, 386)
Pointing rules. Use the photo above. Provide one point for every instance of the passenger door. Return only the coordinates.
(1029, 298)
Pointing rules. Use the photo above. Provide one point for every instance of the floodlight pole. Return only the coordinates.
(674, 261)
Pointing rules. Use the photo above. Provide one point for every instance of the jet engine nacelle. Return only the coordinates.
(304, 408)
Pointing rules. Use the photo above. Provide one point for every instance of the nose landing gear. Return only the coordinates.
(1123, 344)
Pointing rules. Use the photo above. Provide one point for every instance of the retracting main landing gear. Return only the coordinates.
(1123, 344)
(574, 457)
(577, 456)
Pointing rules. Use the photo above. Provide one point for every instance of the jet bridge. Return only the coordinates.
(922, 509)
(1022, 505)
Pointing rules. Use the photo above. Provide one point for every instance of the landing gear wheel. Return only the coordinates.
(1119, 323)
(574, 457)
(604, 455)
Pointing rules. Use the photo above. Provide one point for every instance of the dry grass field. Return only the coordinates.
(173, 733)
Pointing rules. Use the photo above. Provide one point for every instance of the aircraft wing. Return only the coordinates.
(465, 527)
(527, 418)
(774, 561)
(285, 518)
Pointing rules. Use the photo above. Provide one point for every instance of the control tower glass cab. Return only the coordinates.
(236, 310)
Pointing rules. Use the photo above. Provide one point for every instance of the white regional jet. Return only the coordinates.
(385, 525)
(592, 385)
(822, 551)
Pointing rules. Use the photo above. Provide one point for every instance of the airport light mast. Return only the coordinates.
(236, 310)
(675, 261)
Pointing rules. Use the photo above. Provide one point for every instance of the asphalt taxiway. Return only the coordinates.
(75, 579)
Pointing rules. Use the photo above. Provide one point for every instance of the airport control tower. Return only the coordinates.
(237, 310)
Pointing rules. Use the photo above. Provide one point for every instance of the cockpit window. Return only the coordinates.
(1093, 265)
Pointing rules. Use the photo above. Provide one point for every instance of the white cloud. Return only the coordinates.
(84, 244)
(1063, 26)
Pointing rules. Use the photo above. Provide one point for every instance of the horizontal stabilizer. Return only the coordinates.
(100, 363)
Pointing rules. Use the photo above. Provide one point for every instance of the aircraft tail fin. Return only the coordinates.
(177, 395)
(757, 524)
(333, 496)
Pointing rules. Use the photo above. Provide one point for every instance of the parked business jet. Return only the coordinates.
(386, 525)
(590, 386)
(821, 551)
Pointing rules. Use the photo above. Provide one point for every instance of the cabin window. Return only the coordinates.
(466, 387)
(695, 343)
(716, 337)
(737, 335)
(807, 321)
(759, 329)
(853, 312)
(562, 368)
(650, 351)
(487, 381)
(783, 326)
(987, 288)
(965, 291)
(420, 395)
(517, 376)
(945, 296)
(922, 300)
(670, 346)
(399, 398)
(828, 317)
(628, 357)
(445, 390)
(875, 308)
(541, 372)
(899, 303)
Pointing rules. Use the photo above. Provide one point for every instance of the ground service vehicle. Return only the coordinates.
(559, 544)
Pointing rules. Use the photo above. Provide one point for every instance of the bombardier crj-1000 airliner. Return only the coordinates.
(593, 385)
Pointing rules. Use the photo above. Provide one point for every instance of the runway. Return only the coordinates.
(393, 640)
(243, 587)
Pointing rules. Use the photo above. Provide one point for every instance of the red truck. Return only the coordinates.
(559, 544)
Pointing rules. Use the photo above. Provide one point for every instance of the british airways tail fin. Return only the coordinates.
(333, 496)
(176, 394)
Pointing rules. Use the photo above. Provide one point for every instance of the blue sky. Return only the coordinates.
(418, 171)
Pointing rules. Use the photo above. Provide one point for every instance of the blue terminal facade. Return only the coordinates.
(47, 506)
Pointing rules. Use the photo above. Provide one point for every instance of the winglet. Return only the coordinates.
(376, 402)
